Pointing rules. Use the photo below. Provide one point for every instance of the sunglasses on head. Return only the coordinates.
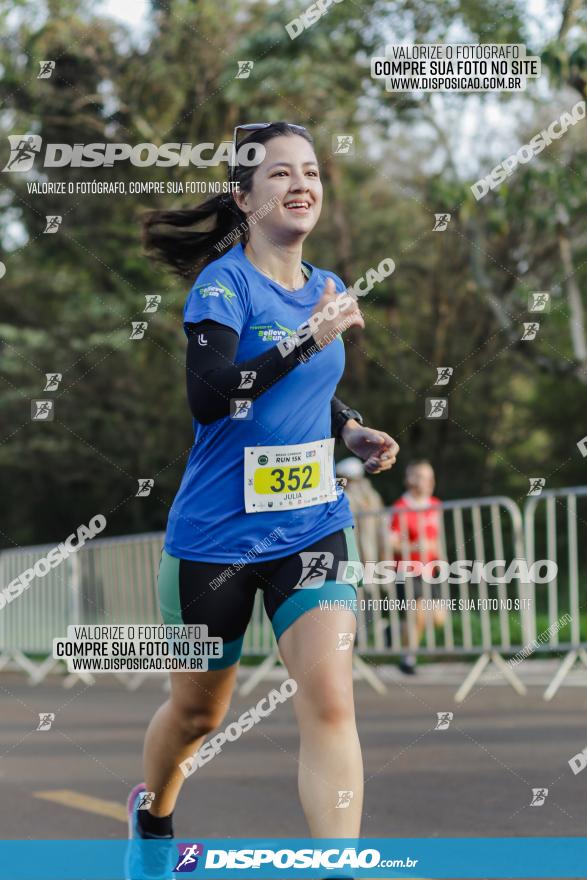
(254, 126)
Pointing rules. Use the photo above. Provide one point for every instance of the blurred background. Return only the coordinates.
(165, 72)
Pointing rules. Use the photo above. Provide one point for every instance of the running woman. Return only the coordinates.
(258, 493)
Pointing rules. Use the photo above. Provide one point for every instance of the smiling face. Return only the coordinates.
(288, 177)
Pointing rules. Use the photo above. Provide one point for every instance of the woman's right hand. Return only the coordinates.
(333, 314)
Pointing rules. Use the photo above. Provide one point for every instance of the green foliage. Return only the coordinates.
(68, 300)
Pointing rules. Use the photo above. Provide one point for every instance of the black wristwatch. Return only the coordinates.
(342, 417)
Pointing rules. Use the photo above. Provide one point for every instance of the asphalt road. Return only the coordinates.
(473, 779)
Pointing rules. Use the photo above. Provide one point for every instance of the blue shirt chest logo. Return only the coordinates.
(272, 332)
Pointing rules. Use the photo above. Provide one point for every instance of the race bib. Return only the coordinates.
(284, 477)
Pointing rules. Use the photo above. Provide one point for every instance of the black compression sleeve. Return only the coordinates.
(213, 378)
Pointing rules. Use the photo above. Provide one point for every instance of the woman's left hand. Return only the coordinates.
(376, 448)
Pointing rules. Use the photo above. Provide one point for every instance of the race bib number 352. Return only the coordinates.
(285, 477)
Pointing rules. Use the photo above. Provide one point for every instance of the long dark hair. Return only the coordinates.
(173, 237)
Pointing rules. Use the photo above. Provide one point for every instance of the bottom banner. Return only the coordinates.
(338, 859)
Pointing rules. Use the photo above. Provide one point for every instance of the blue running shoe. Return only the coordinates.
(148, 857)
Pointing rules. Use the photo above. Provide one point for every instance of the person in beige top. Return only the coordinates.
(371, 531)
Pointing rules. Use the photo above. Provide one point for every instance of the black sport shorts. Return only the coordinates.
(220, 595)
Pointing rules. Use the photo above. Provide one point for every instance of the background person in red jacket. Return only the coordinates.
(415, 536)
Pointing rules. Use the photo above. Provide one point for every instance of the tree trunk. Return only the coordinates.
(574, 300)
(356, 361)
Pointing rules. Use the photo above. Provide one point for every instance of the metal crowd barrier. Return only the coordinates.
(556, 528)
(479, 530)
(29, 622)
(113, 580)
(108, 581)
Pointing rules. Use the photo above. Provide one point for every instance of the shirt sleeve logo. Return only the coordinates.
(216, 289)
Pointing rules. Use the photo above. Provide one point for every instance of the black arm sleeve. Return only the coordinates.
(213, 378)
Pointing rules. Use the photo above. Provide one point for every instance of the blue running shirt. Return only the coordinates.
(207, 521)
